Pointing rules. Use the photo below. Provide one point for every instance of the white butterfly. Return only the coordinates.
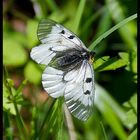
(69, 72)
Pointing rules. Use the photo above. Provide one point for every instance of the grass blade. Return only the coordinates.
(107, 33)
(78, 16)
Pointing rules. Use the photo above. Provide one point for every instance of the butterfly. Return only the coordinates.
(69, 71)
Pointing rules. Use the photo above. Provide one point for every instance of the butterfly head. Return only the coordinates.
(91, 58)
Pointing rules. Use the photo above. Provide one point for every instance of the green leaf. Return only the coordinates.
(52, 5)
(111, 111)
(32, 73)
(133, 102)
(119, 17)
(18, 37)
(100, 61)
(8, 105)
(105, 63)
(58, 16)
(133, 135)
(10, 33)
(133, 62)
(124, 56)
(86, 28)
(107, 33)
(78, 15)
(131, 118)
(31, 31)
(103, 97)
(13, 53)
(104, 24)
(9, 133)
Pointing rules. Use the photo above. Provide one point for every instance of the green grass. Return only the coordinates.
(29, 113)
(119, 25)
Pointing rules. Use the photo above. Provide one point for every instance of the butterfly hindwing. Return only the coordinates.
(79, 92)
(52, 81)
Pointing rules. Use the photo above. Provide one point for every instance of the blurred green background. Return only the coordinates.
(28, 112)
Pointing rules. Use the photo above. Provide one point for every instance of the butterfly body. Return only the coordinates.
(69, 72)
(69, 58)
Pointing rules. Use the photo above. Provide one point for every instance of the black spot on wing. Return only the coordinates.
(62, 32)
(88, 80)
(87, 92)
(71, 36)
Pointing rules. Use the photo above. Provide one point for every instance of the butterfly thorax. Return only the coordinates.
(70, 58)
(73, 57)
(85, 55)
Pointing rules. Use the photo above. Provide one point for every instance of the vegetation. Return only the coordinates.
(109, 28)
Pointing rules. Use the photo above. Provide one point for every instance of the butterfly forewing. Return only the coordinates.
(52, 32)
(68, 72)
